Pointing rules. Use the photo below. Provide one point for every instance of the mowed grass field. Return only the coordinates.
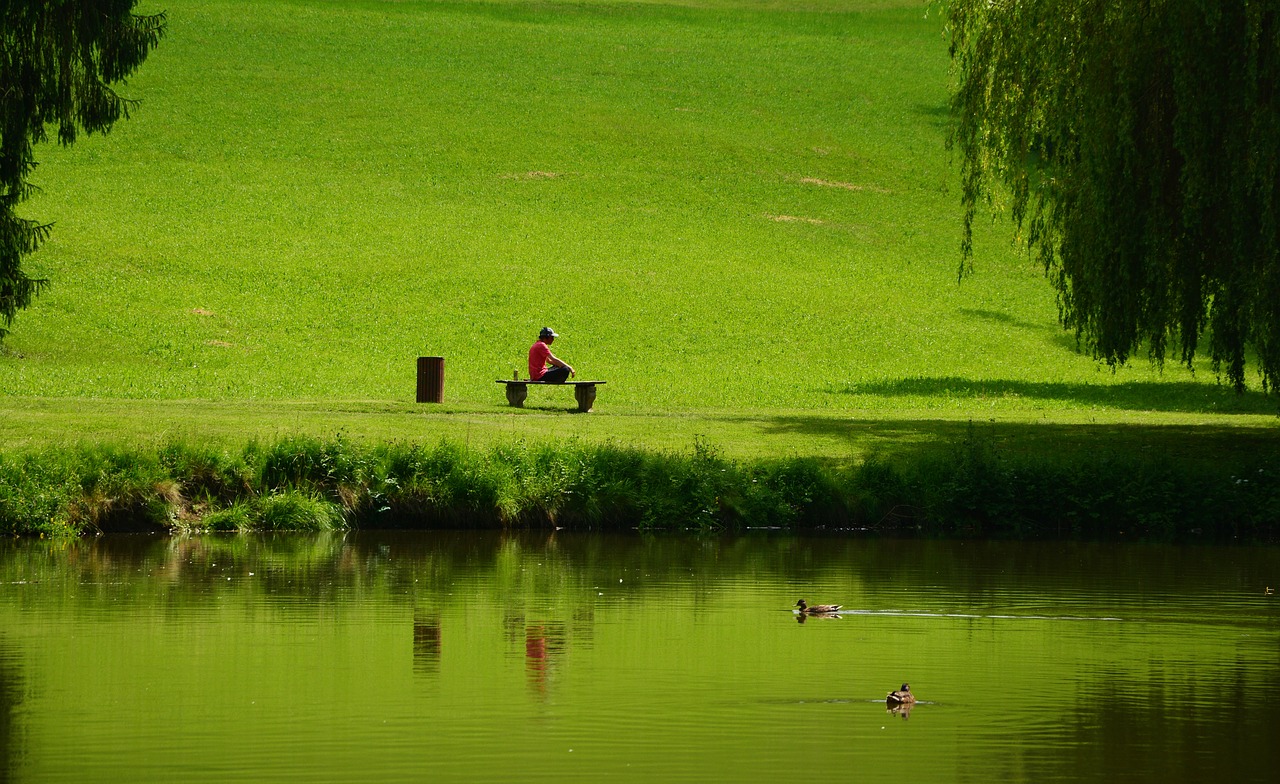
(741, 214)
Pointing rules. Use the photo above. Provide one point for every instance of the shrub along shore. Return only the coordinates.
(970, 488)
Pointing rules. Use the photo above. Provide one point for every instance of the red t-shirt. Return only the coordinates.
(538, 354)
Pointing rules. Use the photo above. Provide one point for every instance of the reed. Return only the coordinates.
(973, 487)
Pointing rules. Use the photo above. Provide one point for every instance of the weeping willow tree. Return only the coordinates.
(1136, 147)
(58, 62)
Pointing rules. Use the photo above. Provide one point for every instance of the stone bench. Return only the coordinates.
(583, 391)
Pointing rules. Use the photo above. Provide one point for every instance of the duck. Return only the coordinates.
(902, 696)
(818, 609)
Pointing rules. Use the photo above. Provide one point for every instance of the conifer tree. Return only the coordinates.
(58, 62)
(1138, 146)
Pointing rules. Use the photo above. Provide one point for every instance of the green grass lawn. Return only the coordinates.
(741, 214)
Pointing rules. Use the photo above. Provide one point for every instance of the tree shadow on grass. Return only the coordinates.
(1213, 446)
(1183, 397)
(1056, 334)
(998, 317)
(937, 115)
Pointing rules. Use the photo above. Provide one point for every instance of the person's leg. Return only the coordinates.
(555, 375)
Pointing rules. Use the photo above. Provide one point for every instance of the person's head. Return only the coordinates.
(547, 335)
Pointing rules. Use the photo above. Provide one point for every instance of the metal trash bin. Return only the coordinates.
(430, 379)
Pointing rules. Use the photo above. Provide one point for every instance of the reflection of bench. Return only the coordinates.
(583, 391)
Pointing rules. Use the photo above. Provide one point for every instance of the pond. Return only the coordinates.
(391, 656)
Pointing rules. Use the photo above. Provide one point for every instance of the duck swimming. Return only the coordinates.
(818, 609)
(902, 696)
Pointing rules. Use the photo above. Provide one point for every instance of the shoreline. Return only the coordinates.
(974, 485)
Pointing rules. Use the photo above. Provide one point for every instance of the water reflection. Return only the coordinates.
(805, 617)
(1184, 719)
(544, 645)
(324, 658)
(984, 573)
(426, 643)
(11, 686)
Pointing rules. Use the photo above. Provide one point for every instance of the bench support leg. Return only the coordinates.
(585, 395)
(516, 393)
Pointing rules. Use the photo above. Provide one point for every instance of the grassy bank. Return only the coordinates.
(969, 487)
(751, 198)
(740, 213)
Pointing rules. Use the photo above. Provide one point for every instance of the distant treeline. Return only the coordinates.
(971, 488)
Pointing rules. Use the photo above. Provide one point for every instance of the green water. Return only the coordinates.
(476, 657)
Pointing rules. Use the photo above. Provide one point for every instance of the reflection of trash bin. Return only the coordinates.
(426, 642)
(430, 379)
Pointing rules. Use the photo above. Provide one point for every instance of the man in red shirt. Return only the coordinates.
(540, 355)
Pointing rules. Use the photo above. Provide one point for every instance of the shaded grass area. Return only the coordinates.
(970, 486)
(1176, 396)
(1192, 446)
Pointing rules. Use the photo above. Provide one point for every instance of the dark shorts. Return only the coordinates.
(555, 375)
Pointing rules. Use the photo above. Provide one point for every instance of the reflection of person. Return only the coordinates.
(543, 645)
(540, 356)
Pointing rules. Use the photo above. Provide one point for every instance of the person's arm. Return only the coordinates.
(554, 360)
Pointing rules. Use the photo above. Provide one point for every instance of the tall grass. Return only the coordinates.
(972, 488)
